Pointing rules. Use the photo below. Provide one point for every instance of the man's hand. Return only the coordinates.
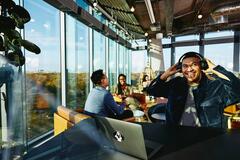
(169, 72)
(211, 65)
(210, 70)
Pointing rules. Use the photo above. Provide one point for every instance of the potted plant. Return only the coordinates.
(12, 19)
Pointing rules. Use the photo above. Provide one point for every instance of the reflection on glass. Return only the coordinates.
(99, 60)
(43, 70)
(77, 63)
(112, 64)
(220, 54)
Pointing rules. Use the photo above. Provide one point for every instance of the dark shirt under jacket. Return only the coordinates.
(211, 97)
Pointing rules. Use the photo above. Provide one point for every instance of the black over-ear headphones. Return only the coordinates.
(203, 62)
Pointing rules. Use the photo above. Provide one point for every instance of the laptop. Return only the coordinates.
(127, 138)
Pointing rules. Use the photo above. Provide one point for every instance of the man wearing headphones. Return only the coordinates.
(199, 96)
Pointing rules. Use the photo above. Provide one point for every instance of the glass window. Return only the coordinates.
(112, 26)
(181, 50)
(121, 59)
(220, 54)
(166, 58)
(166, 40)
(126, 64)
(155, 66)
(139, 43)
(129, 65)
(97, 14)
(187, 38)
(112, 64)
(77, 58)
(99, 60)
(43, 70)
(82, 4)
(219, 34)
(139, 62)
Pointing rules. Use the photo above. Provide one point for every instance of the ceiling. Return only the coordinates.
(173, 17)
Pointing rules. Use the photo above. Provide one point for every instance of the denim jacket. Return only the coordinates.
(211, 97)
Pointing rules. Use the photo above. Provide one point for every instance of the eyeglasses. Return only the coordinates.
(193, 65)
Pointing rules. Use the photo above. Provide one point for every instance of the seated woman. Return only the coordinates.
(145, 83)
(100, 101)
(124, 91)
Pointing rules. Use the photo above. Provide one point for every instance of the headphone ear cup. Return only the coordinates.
(204, 64)
(179, 66)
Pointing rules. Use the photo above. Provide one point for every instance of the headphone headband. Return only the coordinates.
(190, 54)
(203, 62)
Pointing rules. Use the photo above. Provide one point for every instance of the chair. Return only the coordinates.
(233, 114)
(141, 99)
(130, 119)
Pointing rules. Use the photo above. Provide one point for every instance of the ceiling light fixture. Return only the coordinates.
(200, 16)
(150, 11)
(95, 3)
(132, 9)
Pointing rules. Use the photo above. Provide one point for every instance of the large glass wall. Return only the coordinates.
(221, 54)
(43, 70)
(35, 89)
(77, 63)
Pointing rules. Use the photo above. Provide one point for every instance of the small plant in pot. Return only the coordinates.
(12, 19)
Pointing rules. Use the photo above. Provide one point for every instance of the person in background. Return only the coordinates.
(100, 101)
(199, 96)
(145, 82)
(122, 90)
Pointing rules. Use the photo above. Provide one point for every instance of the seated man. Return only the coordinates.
(100, 101)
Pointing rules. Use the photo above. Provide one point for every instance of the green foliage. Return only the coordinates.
(14, 16)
